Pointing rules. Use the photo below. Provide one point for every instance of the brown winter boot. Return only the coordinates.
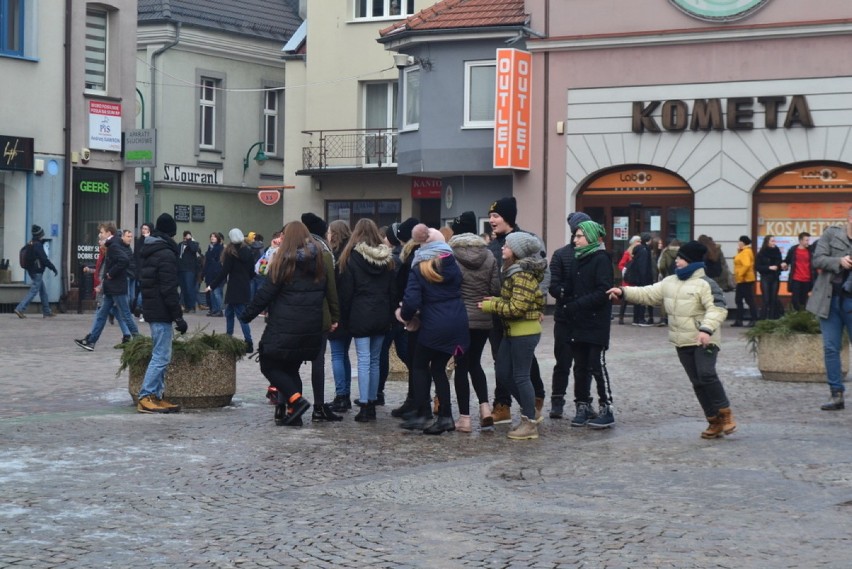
(501, 414)
(714, 429)
(727, 418)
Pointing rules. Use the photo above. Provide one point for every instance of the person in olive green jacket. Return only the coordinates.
(519, 308)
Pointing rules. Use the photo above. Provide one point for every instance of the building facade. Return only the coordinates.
(68, 97)
(211, 79)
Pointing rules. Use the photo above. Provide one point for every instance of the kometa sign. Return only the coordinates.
(512, 109)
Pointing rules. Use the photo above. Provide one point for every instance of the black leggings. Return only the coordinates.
(745, 294)
(431, 365)
(318, 373)
(283, 374)
(470, 364)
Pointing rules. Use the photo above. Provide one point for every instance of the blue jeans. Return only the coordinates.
(236, 310)
(216, 299)
(514, 360)
(188, 289)
(161, 355)
(839, 317)
(368, 349)
(119, 301)
(36, 288)
(256, 284)
(341, 367)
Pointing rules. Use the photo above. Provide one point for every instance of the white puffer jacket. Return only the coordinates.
(696, 304)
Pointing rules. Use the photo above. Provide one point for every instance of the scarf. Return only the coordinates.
(431, 250)
(684, 273)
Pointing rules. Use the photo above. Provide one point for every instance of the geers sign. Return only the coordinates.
(706, 114)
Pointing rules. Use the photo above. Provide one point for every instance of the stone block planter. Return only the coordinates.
(211, 382)
(796, 357)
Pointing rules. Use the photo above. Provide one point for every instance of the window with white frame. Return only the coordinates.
(367, 9)
(380, 120)
(12, 27)
(411, 98)
(479, 93)
(97, 38)
(207, 109)
(270, 121)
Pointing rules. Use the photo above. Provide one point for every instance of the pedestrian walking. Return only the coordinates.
(293, 296)
(237, 269)
(36, 263)
(519, 308)
(161, 307)
(695, 304)
(831, 302)
(367, 301)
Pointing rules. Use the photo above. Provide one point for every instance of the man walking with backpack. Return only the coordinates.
(35, 261)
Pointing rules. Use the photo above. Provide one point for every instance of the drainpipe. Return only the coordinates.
(153, 83)
(65, 262)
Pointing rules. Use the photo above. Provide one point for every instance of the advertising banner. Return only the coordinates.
(512, 109)
(105, 126)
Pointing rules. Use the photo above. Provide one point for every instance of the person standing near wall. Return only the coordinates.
(190, 254)
(37, 262)
(744, 277)
(801, 277)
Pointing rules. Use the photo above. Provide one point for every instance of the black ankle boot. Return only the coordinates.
(440, 425)
(363, 415)
(324, 413)
(371, 410)
(416, 422)
(408, 405)
(280, 414)
(295, 410)
(341, 404)
(835, 403)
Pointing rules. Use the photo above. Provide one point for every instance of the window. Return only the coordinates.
(479, 91)
(207, 103)
(380, 103)
(96, 51)
(411, 98)
(270, 122)
(383, 8)
(383, 212)
(12, 27)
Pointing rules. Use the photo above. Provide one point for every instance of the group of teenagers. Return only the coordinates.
(440, 295)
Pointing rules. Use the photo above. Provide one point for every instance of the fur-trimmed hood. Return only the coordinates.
(532, 264)
(470, 250)
(377, 258)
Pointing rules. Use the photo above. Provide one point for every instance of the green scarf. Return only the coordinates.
(593, 232)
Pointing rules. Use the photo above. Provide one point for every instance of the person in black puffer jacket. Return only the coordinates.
(238, 269)
(768, 265)
(160, 307)
(367, 302)
(293, 293)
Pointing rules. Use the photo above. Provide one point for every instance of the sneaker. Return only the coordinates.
(168, 406)
(583, 415)
(604, 419)
(501, 414)
(526, 430)
(85, 344)
(20, 314)
(141, 319)
(149, 404)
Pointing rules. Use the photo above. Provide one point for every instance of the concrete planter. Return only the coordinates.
(209, 383)
(798, 357)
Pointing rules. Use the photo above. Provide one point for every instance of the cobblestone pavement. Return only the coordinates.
(85, 481)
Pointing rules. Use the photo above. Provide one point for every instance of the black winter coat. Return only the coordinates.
(239, 271)
(561, 270)
(116, 265)
(767, 257)
(640, 272)
(588, 309)
(212, 262)
(366, 290)
(38, 260)
(158, 276)
(294, 326)
(190, 251)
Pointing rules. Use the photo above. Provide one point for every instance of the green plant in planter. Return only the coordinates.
(191, 347)
(796, 322)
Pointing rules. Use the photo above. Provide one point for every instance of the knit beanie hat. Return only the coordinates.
(465, 223)
(315, 224)
(507, 208)
(390, 234)
(166, 224)
(37, 232)
(235, 235)
(692, 252)
(523, 244)
(403, 232)
(575, 218)
(592, 230)
(423, 234)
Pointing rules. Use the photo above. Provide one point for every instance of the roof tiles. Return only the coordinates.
(454, 14)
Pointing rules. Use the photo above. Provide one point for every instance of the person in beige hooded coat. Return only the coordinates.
(695, 305)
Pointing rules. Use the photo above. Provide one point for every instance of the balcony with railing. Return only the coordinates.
(348, 149)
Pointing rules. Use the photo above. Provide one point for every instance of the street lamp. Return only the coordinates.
(260, 157)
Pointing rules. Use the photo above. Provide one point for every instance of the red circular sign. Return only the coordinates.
(269, 197)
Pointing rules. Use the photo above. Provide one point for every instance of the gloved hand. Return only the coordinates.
(180, 326)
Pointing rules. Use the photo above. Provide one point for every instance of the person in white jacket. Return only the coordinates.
(695, 305)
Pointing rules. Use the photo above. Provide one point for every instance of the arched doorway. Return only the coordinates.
(634, 199)
(801, 198)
